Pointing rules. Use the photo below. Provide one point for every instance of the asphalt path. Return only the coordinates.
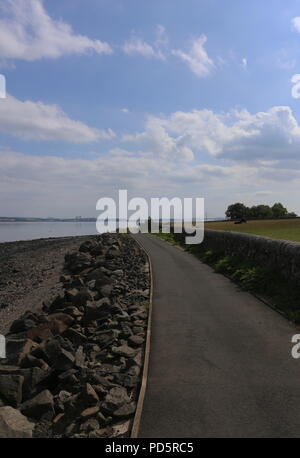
(220, 360)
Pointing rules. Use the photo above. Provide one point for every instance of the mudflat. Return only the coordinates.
(30, 273)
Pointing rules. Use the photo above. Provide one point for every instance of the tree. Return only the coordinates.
(236, 211)
(279, 211)
(264, 211)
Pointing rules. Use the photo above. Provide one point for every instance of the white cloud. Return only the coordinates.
(238, 135)
(244, 63)
(48, 185)
(155, 139)
(37, 121)
(296, 23)
(197, 58)
(136, 45)
(27, 32)
(125, 110)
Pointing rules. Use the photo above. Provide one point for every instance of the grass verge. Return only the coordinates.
(269, 285)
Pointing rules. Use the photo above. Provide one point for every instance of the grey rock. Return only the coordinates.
(11, 388)
(90, 397)
(124, 350)
(59, 358)
(136, 341)
(126, 410)
(115, 399)
(39, 405)
(14, 425)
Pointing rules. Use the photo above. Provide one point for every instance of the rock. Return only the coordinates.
(138, 330)
(59, 358)
(77, 262)
(126, 380)
(115, 399)
(32, 361)
(101, 433)
(126, 410)
(113, 252)
(39, 405)
(57, 324)
(40, 332)
(106, 290)
(118, 272)
(89, 412)
(78, 297)
(90, 425)
(120, 429)
(11, 389)
(85, 247)
(136, 341)
(57, 304)
(80, 357)
(106, 338)
(73, 311)
(33, 377)
(124, 350)
(25, 322)
(76, 337)
(14, 425)
(89, 395)
(64, 396)
(99, 379)
(17, 349)
(97, 310)
(65, 278)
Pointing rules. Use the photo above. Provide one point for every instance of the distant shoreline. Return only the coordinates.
(5, 219)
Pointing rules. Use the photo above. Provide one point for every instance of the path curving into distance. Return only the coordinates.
(220, 360)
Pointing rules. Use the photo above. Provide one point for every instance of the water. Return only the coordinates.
(12, 231)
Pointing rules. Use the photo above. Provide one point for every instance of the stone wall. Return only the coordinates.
(280, 255)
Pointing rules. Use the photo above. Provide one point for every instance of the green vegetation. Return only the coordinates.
(240, 211)
(283, 229)
(268, 284)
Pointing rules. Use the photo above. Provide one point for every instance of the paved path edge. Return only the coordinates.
(140, 403)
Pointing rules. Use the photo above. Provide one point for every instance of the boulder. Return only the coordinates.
(125, 411)
(97, 310)
(76, 337)
(11, 389)
(78, 297)
(17, 349)
(115, 399)
(14, 425)
(59, 358)
(39, 405)
(124, 350)
(89, 396)
(89, 412)
(136, 341)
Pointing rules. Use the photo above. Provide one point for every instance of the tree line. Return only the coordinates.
(241, 211)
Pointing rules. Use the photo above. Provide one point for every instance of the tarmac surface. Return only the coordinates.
(220, 360)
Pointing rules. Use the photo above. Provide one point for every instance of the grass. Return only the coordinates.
(283, 229)
(266, 283)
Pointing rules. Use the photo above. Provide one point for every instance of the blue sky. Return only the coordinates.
(163, 98)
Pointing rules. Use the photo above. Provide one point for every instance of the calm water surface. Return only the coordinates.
(11, 232)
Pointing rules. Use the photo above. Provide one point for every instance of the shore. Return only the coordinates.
(74, 367)
(30, 273)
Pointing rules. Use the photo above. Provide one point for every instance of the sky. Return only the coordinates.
(168, 98)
